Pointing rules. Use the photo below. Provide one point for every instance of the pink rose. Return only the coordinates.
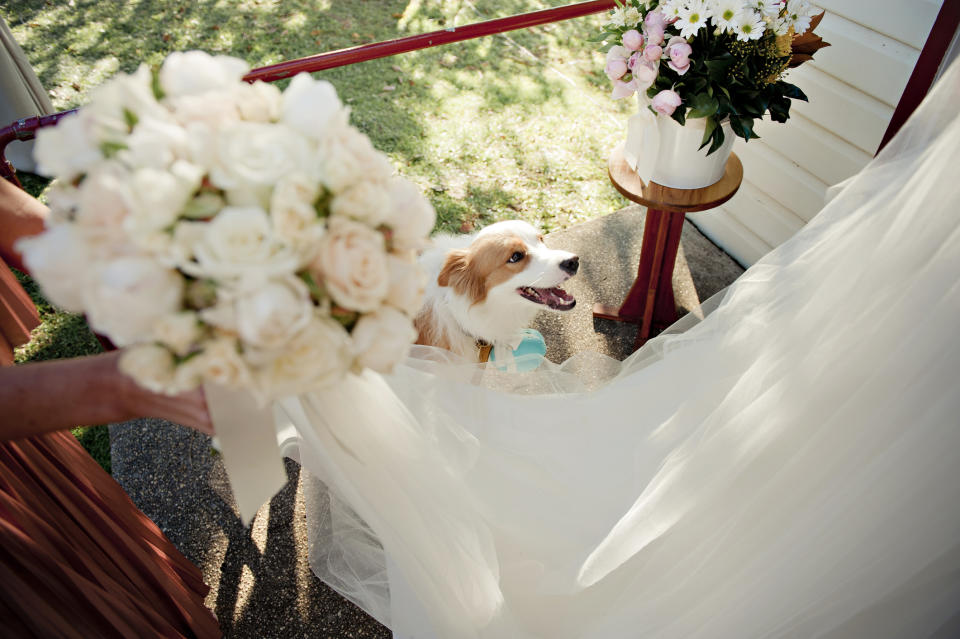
(679, 52)
(654, 34)
(652, 53)
(615, 68)
(644, 73)
(623, 89)
(633, 40)
(666, 102)
(655, 19)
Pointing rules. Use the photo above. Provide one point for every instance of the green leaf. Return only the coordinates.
(711, 125)
(155, 84)
(598, 37)
(718, 137)
(743, 127)
(110, 148)
(780, 109)
(316, 291)
(130, 118)
(703, 105)
(680, 116)
(793, 91)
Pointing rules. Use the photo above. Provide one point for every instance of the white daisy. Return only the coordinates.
(798, 15)
(672, 8)
(780, 26)
(749, 26)
(693, 17)
(725, 13)
(766, 8)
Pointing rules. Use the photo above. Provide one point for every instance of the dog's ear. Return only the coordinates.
(458, 274)
(456, 261)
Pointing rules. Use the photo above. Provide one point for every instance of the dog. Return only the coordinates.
(484, 289)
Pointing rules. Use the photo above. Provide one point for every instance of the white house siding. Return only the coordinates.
(854, 87)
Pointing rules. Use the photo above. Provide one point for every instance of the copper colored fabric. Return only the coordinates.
(18, 315)
(77, 558)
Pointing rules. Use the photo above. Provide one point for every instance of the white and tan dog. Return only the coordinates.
(487, 287)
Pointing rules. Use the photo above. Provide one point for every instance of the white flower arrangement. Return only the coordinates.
(227, 232)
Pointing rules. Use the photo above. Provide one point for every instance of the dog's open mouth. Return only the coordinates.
(553, 298)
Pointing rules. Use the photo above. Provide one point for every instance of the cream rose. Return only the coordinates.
(269, 316)
(103, 202)
(309, 105)
(382, 339)
(407, 285)
(259, 102)
(366, 201)
(346, 156)
(159, 196)
(197, 72)
(155, 144)
(122, 102)
(292, 211)
(411, 217)
(152, 367)
(128, 295)
(221, 363)
(353, 265)
(238, 242)
(317, 356)
(53, 258)
(67, 149)
(178, 331)
(256, 153)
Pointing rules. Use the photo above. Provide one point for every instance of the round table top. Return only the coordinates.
(665, 198)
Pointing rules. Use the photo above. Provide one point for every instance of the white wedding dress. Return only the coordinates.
(787, 467)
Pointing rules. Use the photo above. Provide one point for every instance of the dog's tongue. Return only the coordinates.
(555, 298)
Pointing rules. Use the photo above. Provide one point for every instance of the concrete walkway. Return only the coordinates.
(261, 584)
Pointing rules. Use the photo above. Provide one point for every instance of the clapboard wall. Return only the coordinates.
(854, 86)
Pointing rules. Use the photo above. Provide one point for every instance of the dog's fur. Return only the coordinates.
(476, 286)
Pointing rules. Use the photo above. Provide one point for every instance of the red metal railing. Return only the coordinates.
(25, 129)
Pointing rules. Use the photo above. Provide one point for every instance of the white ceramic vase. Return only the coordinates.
(679, 163)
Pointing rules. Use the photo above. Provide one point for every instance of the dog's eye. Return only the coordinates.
(516, 257)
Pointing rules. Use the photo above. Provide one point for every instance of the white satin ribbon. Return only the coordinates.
(247, 434)
(643, 140)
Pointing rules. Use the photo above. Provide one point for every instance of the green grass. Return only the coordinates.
(515, 126)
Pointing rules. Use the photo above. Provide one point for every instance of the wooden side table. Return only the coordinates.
(650, 301)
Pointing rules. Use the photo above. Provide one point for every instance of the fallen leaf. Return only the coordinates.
(166, 37)
(397, 16)
(466, 227)
(315, 32)
(389, 87)
(215, 27)
(397, 69)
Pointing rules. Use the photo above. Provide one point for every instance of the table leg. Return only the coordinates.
(650, 300)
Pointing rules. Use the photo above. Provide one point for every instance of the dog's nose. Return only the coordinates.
(571, 265)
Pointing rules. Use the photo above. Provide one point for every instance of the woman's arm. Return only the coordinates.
(48, 396)
(20, 215)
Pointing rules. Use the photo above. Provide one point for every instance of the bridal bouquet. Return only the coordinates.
(714, 59)
(229, 233)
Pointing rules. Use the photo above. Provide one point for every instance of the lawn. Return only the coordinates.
(510, 126)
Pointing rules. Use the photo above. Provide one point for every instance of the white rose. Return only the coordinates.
(178, 331)
(128, 295)
(292, 211)
(353, 265)
(411, 215)
(197, 72)
(256, 153)
(259, 102)
(212, 110)
(53, 258)
(366, 201)
(103, 203)
(271, 315)
(310, 106)
(382, 339)
(238, 242)
(121, 103)
(67, 149)
(152, 367)
(63, 200)
(184, 240)
(159, 196)
(221, 363)
(346, 157)
(156, 144)
(407, 285)
(317, 356)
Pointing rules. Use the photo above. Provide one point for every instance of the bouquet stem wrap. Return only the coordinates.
(248, 443)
